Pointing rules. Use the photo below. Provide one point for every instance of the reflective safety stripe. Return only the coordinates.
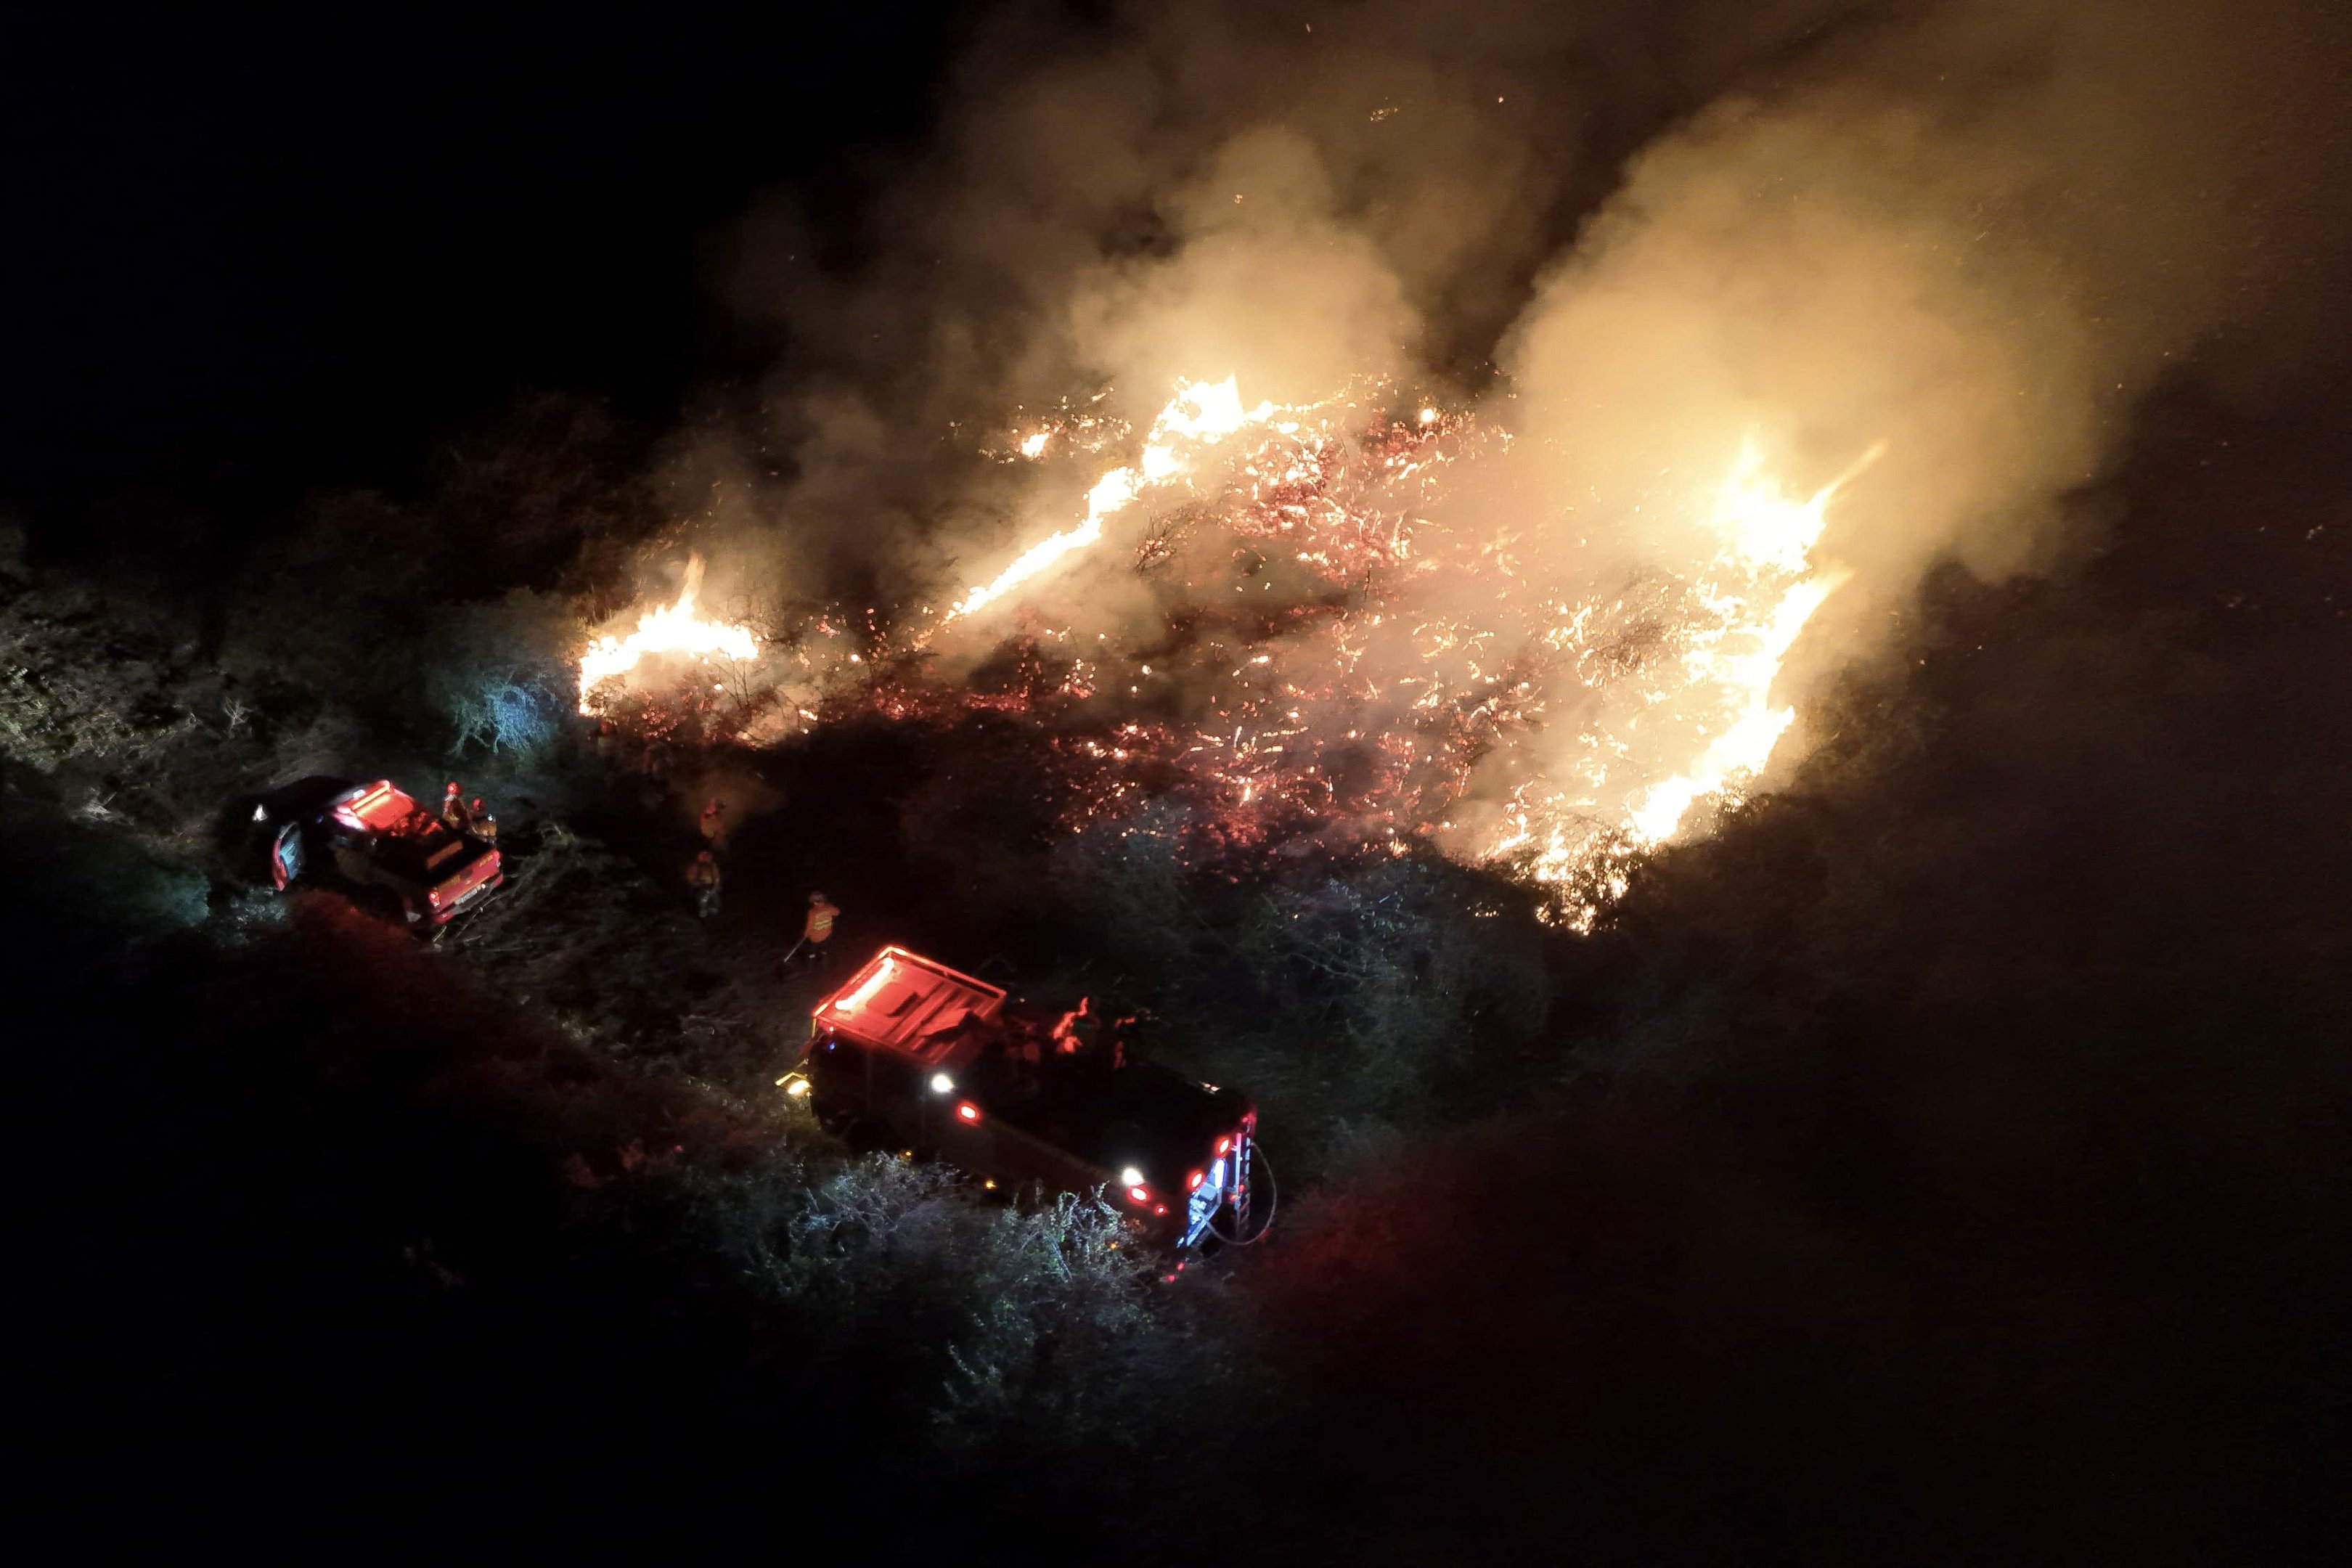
(820, 925)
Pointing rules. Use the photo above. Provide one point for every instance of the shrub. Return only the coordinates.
(983, 1320)
(493, 674)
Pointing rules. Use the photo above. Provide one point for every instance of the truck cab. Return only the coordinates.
(932, 1061)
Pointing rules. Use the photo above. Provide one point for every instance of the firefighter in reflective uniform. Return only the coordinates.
(1075, 1033)
(703, 878)
(816, 932)
(452, 807)
(480, 823)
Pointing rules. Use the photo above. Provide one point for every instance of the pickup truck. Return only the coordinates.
(376, 842)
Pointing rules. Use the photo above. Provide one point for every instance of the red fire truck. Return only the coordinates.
(932, 1061)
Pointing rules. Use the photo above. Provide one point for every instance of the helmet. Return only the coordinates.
(816, 898)
(702, 855)
(477, 803)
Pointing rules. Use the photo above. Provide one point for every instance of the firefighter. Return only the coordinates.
(702, 876)
(816, 932)
(714, 824)
(452, 807)
(1075, 1033)
(480, 823)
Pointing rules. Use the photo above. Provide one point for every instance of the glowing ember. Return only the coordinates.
(1200, 414)
(1409, 663)
(670, 629)
(1364, 654)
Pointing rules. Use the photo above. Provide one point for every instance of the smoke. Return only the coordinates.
(1977, 237)
(1266, 284)
(1619, 245)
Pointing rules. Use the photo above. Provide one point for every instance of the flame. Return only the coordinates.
(1347, 512)
(1416, 663)
(669, 628)
(1747, 744)
(1775, 534)
(1200, 415)
(1730, 669)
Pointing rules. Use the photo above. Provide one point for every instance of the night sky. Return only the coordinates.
(252, 257)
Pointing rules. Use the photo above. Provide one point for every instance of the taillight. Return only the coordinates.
(1141, 1195)
(966, 1111)
(1192, 1182)
(1225, 1143)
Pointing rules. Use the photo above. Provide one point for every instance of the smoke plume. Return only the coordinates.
(1931, 254)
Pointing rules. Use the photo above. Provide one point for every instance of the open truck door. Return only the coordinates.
(286, 856)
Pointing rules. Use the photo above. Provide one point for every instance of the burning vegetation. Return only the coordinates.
(1327, 650)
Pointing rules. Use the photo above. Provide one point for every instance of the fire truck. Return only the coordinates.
(377, 842)
(932, 1061)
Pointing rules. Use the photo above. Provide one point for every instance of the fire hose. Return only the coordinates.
(1273, 1201)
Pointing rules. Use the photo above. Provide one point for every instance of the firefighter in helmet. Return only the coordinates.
(714, 824)
(452, 807)
(816, 932)
(480, 823)
(702, 876)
